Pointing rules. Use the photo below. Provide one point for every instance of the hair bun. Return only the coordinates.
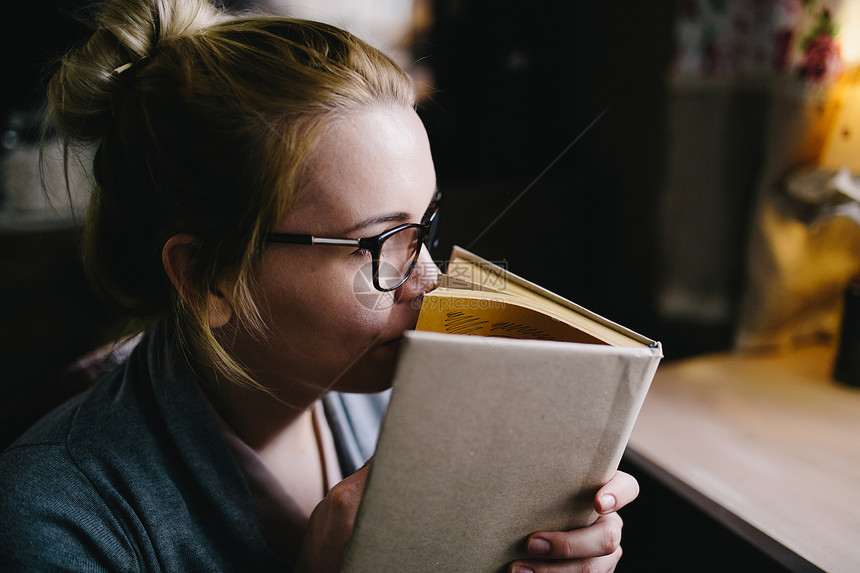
(83, 89)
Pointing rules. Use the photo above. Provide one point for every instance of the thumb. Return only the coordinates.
(357, 479)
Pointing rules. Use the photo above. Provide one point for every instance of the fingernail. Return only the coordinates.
(607, 503)
(538, 546)
(522, 569)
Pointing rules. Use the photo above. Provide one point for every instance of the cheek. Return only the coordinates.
(323, 301)
(352, 309)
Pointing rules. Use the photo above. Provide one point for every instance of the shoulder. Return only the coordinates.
(131, 475)
(53, 516)
(62, 491)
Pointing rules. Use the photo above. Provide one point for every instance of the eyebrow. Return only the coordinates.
(397, 217)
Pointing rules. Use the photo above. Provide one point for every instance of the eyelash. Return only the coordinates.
(364, 253)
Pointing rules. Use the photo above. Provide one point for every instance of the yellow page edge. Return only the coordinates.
(528, 285)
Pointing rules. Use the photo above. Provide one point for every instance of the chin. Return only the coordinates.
(374, 373)
(365, 386)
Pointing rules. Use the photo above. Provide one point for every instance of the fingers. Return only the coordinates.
(367, 463)
(330, 526)
(618, 492)
(604, 564)
(345, 495)
(601, 538)
(590, 549)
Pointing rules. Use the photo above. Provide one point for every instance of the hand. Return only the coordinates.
(330, 526)
(593, 548)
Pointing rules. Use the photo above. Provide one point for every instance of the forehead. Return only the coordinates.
(371, 163)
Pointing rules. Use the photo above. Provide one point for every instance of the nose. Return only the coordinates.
(424, 278)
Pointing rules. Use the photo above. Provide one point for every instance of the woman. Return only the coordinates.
(222, 146)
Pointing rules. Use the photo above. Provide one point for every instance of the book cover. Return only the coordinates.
(489, 438)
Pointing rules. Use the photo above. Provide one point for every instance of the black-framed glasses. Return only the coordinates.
(394, 252)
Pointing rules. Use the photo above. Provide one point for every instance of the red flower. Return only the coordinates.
(822, 58)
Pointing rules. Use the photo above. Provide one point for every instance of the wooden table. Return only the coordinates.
(769, 445)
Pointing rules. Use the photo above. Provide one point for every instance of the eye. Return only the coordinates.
(360, 253)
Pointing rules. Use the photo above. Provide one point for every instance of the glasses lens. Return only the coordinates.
(432, 239)
(397, 256)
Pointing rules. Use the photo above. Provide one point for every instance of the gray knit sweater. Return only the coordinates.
(134, 475)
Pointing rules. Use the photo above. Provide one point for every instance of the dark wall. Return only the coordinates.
(557, 110)
(34, 33)
(515, 129)
(546, 130)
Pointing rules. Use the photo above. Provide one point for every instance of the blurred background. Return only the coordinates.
(669, 165)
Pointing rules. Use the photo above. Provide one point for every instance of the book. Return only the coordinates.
(510, 407)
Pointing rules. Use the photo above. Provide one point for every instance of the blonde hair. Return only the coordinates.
(206, 132)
